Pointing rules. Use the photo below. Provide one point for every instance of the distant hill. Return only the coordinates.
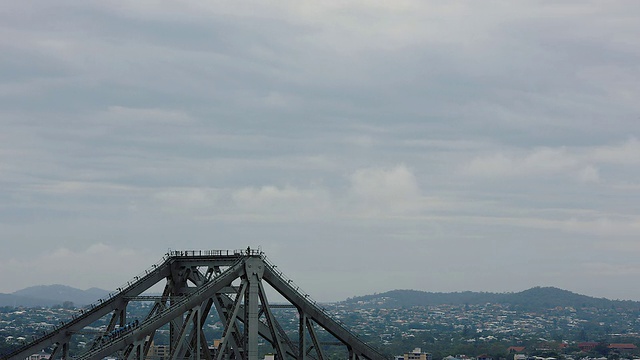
(532, 299)
(48, 295)
(14, 300)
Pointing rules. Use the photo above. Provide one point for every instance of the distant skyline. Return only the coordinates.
(365, 146)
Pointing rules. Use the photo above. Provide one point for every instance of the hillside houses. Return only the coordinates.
(495, 330)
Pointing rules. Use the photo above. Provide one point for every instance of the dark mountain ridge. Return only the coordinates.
(531, 299)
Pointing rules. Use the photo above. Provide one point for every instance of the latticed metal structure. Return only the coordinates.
(195, 284)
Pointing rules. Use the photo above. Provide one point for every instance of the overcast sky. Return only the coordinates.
(365, 146)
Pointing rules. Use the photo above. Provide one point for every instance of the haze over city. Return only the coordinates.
(364, 146)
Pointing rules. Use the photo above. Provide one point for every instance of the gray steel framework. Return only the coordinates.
(197, 282)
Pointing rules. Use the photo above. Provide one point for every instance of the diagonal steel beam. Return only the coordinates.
(314, 339)
(221, 303)
(180, 343)
(231, 320)
(311, 310)
(165, 316)
(276, 342)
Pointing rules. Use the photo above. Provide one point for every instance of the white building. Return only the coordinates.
(39, 356)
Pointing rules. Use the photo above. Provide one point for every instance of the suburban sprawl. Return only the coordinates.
(540, 323)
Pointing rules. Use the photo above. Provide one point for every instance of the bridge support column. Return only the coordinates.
(302, 338)
(198, 334)
(254, 269)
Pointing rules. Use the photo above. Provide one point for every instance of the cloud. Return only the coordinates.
(268, 195)
(251, 203)
(372, 192)
(186, 200)
(486, 125)
(625, 153)
(279, 100)
(147, 116)
(589, 174)
(79, 187)
(363, 141)
(610, 270)
(282, 202)
(621, 227)
(581, 164)
(95, 264)
(541, 161)
(388, 191)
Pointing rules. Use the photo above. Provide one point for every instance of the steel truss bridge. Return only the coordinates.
(196, 283)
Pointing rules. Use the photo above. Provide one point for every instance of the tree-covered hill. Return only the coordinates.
(537, 298)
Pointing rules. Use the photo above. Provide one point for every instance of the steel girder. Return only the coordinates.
(196, 283)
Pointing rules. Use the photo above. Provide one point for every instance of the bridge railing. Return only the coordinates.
(141, 276)
(129, 284)
(76, 318)
(197, 253)
(150, 321)
(292, 286)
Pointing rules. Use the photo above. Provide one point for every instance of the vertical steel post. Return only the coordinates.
(254, 269)
(302, 341)
(198, 330)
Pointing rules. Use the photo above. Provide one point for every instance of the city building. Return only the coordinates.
(622, 347)
(417, 354)
(484, 357)
(39, 356)
(160, 352)
(587, 346)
